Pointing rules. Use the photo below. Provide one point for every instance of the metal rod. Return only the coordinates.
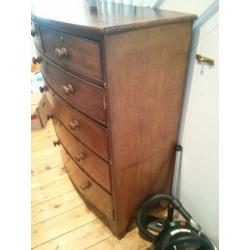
(177, 170)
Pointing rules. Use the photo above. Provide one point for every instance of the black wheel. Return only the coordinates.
(146, 206)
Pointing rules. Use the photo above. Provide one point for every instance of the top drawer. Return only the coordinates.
(75, 53)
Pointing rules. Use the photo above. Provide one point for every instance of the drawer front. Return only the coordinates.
(88, 161)
(78, 54)
(89, 133)
(81, 94)
(36, 35)
(88, 188)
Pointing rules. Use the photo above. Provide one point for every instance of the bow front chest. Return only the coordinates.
(114, 79)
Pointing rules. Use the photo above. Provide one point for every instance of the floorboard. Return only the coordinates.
(60, 219)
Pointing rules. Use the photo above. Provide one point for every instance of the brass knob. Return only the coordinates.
(57, 142)
(61, 52)
(74, 124)
(50, 116)
(43, 89)
(204, 59)
(80, 157)
(36, 60)
(68, 89)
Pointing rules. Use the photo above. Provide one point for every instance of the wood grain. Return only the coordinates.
(86, 97)
(92, 135)
(83, 237)
(131, 241)
(83, 54)
(139, 55)
(36, 34)
(94, 166)
(61, 224)
(88, 188)
(48, 217)
(50, 191)
(149, 86)
(55, 207)
(51, 175)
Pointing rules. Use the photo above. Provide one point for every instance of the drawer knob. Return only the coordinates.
(57, 142)
(50, 116)
(61, 52)
(43, 89)
(36, 60)
(33, 32)
(68, 89)
(87, 185)
(73, 125)
(80, 157)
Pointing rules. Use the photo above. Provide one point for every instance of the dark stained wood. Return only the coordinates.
(35, 32)
(146, 73)
(142, 54)
(89, 162)
(78, 54)
(92, 135)
(88, 188)
(102, 17)
(86, 97)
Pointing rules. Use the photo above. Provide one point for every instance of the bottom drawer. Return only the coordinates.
(88, 188)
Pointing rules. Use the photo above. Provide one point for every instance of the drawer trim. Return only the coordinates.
(104, 183)
(86, 173)
(88, 147)
(108, 197)
(87, 72)
(84, 112)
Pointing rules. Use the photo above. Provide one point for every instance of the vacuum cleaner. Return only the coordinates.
(165, 232)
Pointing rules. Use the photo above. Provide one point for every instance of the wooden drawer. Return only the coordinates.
(36, 34)
(88, 161)
(92, 135)
(78, 54)
(88, 188)
(81, 94)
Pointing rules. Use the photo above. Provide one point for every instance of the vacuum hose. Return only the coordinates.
(162, 241)
(154, 200)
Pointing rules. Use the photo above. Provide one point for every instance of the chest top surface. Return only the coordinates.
(102, 16)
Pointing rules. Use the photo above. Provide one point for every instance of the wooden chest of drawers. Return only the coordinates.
(114, 80)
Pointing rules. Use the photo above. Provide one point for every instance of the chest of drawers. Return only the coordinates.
(114, 80)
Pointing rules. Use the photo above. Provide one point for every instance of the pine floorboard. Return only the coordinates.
(60, 219)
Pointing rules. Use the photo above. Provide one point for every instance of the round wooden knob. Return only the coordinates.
(86, 185)
(50, 116)
(43, 89)
(61, 52)
(74, 124)
(80, 157)
(57, 142)
(68, 89)
(36, 60)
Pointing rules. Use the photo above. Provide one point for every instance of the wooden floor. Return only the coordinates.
(60, 220)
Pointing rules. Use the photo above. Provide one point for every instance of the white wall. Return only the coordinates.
(199, 131)
(199, 175)
(188, 6)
